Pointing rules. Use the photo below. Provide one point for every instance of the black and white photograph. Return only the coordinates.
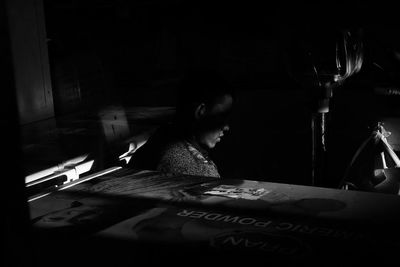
(200, 133)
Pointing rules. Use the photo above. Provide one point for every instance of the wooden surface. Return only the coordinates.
(289, 222)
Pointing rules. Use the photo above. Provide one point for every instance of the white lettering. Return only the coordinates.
(284, 226)
(262, 224)
(324, 231)
(231, 239)
(247, 221)
(212, 216)
(307, 229)
(343, 234)
(197, 214)
(228, 218)
(185, 213)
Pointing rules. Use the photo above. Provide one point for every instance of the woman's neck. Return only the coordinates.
(193, 141)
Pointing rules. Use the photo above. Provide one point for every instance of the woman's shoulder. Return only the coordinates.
(183, 150)
(175, 147)
(181, 157)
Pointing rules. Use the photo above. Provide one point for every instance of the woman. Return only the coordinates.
(204, 104)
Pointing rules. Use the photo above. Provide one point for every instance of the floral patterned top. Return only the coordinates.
(182, 157)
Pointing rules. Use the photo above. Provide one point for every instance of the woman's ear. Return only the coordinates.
(200, 111)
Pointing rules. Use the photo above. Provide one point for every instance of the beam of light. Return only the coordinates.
(84, 167)
(72, 173)
(133, 146)
(78, 181)
(53, 170)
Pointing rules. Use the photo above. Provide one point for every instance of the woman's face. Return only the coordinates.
(214, 122)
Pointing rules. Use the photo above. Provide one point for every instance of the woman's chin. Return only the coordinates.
(213, 144)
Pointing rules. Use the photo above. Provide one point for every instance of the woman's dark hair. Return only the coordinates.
(200, 86)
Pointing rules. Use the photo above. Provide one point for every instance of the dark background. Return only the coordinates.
(133, 53)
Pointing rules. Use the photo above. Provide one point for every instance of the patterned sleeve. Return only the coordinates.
(174, 160)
